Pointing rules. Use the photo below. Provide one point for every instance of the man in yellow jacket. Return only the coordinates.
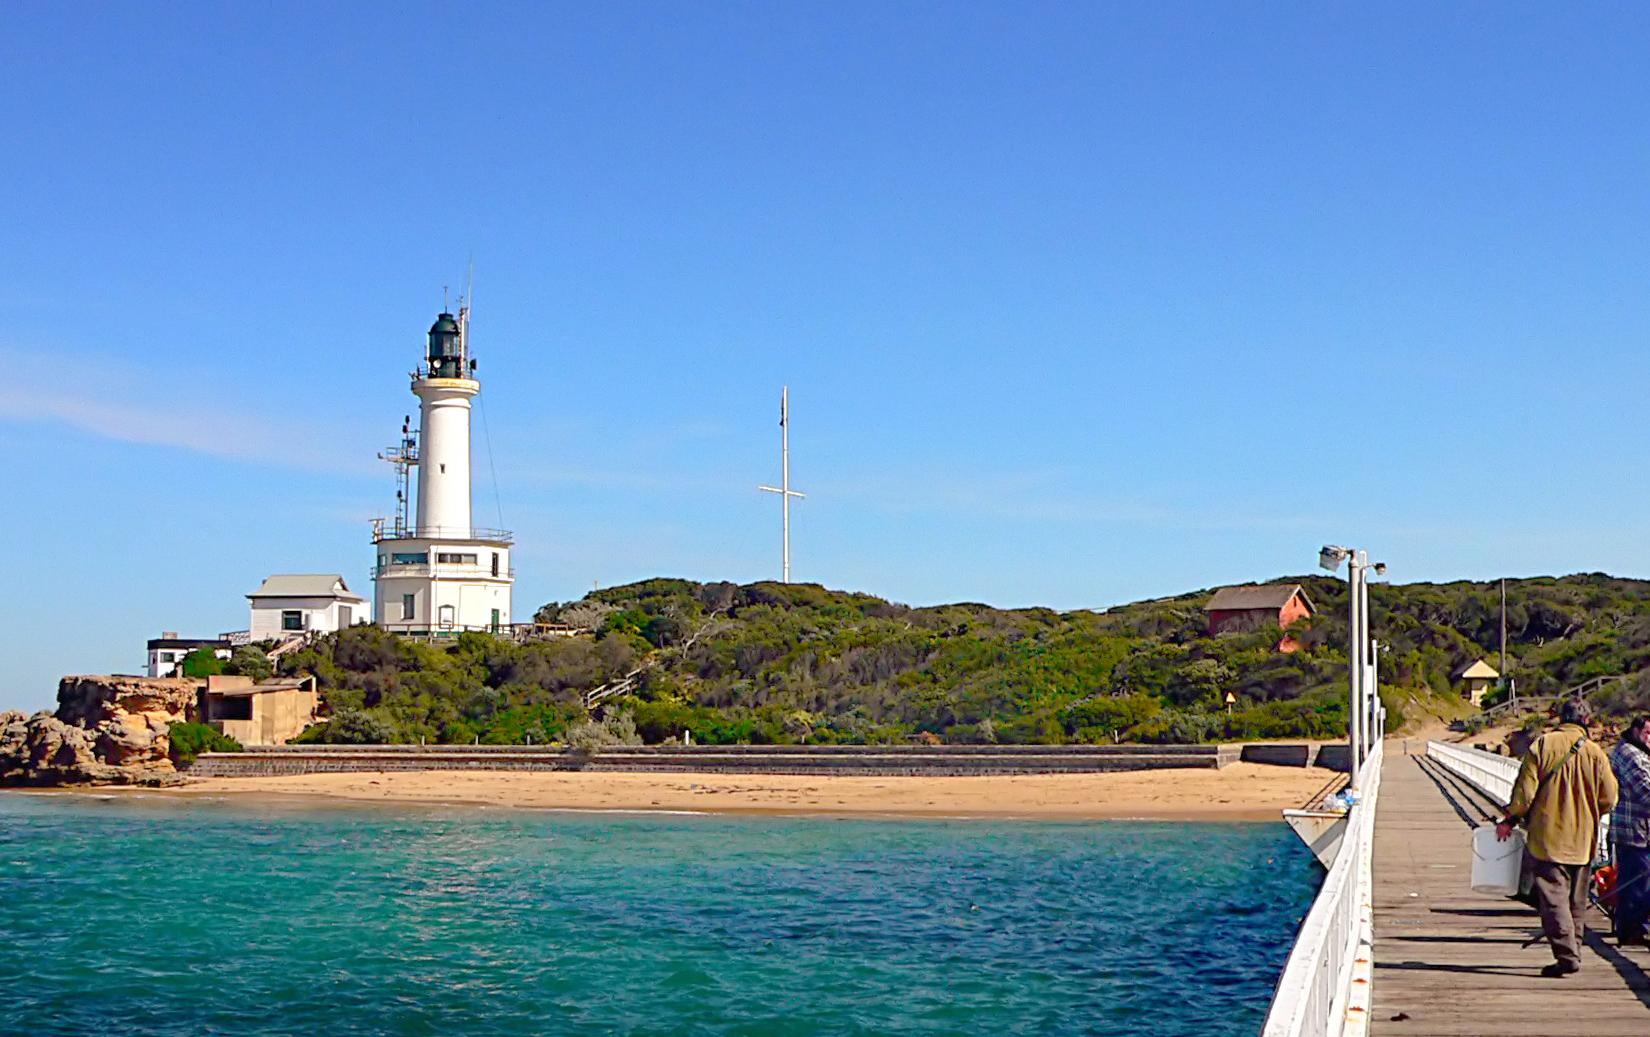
(1564, 786)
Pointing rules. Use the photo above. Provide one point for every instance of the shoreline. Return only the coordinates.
(1239, 792)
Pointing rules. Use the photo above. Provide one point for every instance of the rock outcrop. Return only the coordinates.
(106, 729)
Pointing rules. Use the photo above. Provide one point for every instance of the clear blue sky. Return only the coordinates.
(1077, 303)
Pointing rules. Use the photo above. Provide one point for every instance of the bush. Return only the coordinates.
(1110, 713)
(357, 727)
(1319, 715)
(983, 733)
(188, 740)
(619, 729)
(248, 661)
(1176, 728)
(202, 662)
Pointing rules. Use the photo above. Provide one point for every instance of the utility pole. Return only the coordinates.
(784, 488)
(1503, 628)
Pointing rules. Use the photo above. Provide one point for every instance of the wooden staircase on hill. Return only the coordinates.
(1540, 703)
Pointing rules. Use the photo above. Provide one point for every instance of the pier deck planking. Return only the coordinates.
(1449, 961)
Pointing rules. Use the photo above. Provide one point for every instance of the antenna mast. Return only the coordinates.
(466, 301)
(784, 488)
(403, 457)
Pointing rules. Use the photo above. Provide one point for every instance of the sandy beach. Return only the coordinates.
(1239, 792)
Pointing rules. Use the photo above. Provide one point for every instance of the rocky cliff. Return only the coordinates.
(106, 729)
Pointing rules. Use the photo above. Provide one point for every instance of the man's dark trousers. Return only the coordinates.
(1632, 890)
(1561, 898)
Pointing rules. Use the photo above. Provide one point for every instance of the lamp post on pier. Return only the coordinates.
(1364, 712)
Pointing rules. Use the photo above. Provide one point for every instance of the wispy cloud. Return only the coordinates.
(113, 399)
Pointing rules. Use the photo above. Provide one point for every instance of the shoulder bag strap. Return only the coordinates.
(1541, 784)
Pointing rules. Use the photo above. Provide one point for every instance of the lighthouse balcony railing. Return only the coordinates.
(452, 570)
(385, 532)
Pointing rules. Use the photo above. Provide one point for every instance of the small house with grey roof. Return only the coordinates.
(1244, 609)
(289, 605)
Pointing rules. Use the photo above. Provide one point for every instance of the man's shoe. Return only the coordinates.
(1558, 970)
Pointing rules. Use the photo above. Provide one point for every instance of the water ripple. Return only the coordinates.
(157, 917)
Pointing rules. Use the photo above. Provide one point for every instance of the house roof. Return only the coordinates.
(305, 585)
(276, 684)
(1272, 596)
(1479, 669)
(187, 642)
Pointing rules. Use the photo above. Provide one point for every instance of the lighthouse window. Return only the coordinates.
(446, 558)
(495, 563)
(408, 605)
(409, 558)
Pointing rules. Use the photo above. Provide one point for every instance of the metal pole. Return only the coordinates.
(1354, 668)
(785, 473)
(1503, 628)
(784, 488)
(1371, 686)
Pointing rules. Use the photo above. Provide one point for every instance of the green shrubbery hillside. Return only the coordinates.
(770, 662)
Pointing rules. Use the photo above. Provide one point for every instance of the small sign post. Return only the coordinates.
(1230, 699)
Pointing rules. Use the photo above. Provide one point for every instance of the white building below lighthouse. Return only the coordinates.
(439, 575)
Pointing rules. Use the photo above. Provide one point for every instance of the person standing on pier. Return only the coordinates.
(1630, 830)
(1564, 786)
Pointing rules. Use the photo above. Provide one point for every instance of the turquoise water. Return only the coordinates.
(158, 917)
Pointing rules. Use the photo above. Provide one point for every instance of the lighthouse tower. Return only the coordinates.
(439, 575)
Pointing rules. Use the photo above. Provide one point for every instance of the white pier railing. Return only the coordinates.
(1494, 776)
(1488, 773)
(1324, 990)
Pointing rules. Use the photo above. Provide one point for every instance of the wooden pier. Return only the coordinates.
(1449, 961)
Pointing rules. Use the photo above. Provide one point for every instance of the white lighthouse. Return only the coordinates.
(440, 575)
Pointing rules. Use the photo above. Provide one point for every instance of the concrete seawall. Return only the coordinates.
(1331, 755)
(269, 761)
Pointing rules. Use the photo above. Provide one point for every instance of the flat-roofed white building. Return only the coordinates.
(167, 652)
(291, 605)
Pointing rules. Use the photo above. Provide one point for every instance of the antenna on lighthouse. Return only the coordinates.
(465, 302)
(784, 488)
(403, 456)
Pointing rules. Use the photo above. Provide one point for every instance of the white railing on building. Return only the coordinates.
(381, 533)
(1324, 990)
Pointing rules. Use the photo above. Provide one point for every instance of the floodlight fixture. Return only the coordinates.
(1380, 568)
(1331, 557)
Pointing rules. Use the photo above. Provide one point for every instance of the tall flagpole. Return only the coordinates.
(785, 475)
(784, 488)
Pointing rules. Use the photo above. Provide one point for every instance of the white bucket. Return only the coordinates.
(1495, 864)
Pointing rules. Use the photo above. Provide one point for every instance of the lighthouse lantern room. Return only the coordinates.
(439, 575)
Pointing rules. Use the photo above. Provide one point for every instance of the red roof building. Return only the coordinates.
(1245, 609)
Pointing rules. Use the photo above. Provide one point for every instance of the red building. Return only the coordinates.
(1243, 609)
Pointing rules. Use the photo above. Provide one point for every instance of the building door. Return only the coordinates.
(346, 617)
(495, 621)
